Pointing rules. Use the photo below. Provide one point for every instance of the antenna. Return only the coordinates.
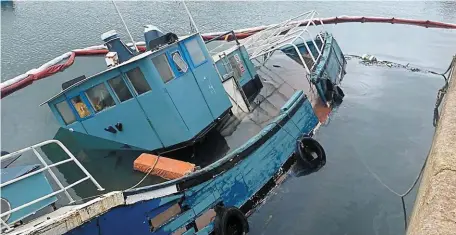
(190, 16)
(125, 25)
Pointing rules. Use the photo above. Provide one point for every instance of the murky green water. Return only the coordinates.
(385, 120)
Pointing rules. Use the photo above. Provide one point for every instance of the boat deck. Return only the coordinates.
(281, 77)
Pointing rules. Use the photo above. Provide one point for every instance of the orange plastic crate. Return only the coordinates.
(166, 168)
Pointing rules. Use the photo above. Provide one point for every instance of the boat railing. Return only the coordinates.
(225, 35)
(287, 33)
(229, 36)
(45, 167)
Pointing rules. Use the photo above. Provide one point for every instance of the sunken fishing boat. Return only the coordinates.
(215, 122)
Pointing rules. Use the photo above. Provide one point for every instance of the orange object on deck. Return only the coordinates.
(166, 168)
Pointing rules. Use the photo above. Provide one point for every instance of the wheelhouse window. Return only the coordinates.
(180, 63)
(138, 81)
(65, 112)
(162, 65)
(235, 65)
(100, 98)
(80, 107)
(195, 51)
(120, 88)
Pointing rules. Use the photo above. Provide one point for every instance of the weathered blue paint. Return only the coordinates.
(206, 230)
(233, 187)
(259, 160)
(169, 114)
(26, 190)
(291, 51)
(224, 65)
(330, 65)
(189, 232)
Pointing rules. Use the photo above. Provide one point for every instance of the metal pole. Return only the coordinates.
(38, 155)
(5, 225)
(75, 160)
(300, 57)
(190, 16)
(125, 25)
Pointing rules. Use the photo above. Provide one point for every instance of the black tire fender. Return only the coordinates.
(329, 90)
(310, 152)
(339, 95)
(230, 221)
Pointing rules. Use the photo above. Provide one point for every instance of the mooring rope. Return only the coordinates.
(440, 95)
(401, 195)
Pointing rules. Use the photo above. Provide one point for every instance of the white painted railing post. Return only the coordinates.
(46, 167)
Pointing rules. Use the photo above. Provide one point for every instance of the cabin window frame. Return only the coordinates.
(189, 55)
(70, 106)
(85, 100)
(124, 79)
(94, 111)
(170, 66)
(173, 64)
(130, 84)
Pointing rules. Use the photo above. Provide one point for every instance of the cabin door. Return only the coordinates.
(206, 76)
(184, 91)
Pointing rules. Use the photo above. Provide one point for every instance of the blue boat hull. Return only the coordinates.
(240, 179)
(330, 66)
(232, 181)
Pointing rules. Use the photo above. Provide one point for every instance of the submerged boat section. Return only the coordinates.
(263, 97)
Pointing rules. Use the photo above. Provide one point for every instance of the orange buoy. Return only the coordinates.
(166, 168)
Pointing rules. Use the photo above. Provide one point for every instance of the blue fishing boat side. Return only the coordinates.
(239, 180)
(231, 181)
(265, 97)
(327, 72)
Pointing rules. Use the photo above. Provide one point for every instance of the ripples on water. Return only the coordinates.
(385, 119)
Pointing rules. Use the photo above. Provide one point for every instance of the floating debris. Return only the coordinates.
(370, 60)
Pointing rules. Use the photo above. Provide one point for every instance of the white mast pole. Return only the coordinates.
(190, 16)
(125, 25)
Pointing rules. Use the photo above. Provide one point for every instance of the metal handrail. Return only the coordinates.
(49, 170)
(223, 35)
(267, 41)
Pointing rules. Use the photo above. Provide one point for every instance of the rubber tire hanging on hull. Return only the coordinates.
(230, 221)
(329, 90)
(311, 154)
(333, 93)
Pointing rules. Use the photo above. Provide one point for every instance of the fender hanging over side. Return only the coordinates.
(310, 153)
(230, 221)
(338, 96)
(329, 90)
(333, 93)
